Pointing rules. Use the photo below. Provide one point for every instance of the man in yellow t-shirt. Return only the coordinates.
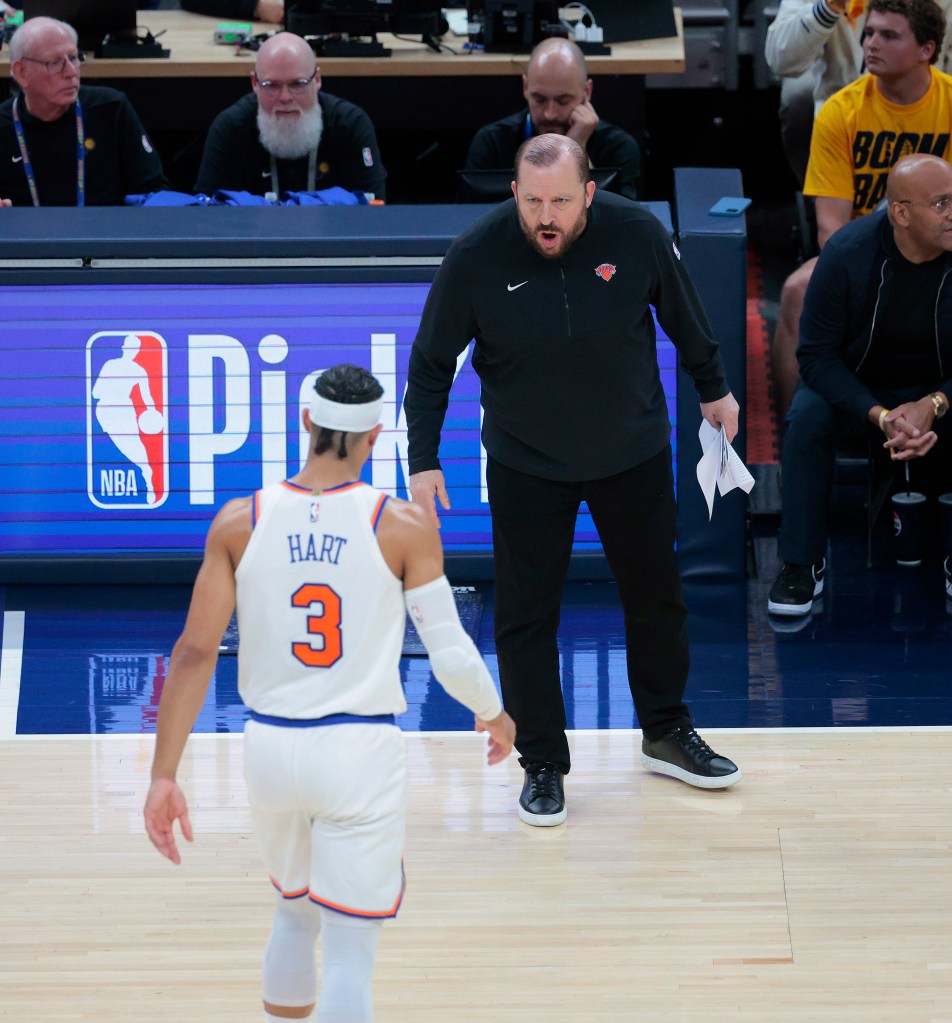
(816, 47)
(902, 106)
(860, 134)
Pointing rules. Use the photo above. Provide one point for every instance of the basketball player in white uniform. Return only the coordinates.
(323, 568)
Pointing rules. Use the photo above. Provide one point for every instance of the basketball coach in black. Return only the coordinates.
(556, 286)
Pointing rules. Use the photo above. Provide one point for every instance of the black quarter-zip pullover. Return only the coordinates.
(565, 348)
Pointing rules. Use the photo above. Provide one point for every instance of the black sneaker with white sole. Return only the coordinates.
(542, 803)
(795, 587)
(683, 754)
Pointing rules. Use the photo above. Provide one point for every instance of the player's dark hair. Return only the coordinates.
(347, 385)
(926, 19)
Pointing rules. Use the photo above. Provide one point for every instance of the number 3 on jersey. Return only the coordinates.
(326, 625)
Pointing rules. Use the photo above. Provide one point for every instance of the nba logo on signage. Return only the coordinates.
(127, 437)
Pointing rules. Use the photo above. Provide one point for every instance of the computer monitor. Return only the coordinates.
(623, 20)
(92, 19)
(495, 185)
(363, 17)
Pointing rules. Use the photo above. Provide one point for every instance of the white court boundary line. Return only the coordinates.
(842, 731)
(11, 668)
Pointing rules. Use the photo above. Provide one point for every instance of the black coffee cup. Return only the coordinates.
(908, 507)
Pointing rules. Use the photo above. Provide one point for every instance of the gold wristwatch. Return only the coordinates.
(939, 404)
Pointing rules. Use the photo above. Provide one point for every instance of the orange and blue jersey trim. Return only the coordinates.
(375, 518)
(298, 489)
(255, 508)
(364, 914)
(344, 486)
(328, 719)
(289, 895)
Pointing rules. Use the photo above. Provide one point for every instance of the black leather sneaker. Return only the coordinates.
(683, 754)
(794, 589)
(542, 803)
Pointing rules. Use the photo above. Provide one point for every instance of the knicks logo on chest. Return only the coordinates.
(606, 271)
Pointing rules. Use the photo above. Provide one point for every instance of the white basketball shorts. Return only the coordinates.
(328, 805)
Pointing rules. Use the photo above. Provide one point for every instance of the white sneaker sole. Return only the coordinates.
(542, 820)
(797, 610)
(788, 625)
(790, 610)
(699, 781)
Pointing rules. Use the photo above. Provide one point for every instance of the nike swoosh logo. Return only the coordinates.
(513, 287)
(16, 159)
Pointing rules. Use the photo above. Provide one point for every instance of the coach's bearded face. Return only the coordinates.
(552, 203)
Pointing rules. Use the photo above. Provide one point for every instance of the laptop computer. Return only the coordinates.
(92, 19)
(494, 185)
(625, 20)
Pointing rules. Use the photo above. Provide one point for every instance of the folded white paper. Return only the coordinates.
(720, 467)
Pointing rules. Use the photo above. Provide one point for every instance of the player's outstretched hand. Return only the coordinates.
(164, 805)
(502, 735)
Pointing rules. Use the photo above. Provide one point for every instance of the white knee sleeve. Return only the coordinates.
(349, 953)
(289, 976)
(453, 655)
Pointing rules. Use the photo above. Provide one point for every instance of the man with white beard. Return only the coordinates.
(288, 135)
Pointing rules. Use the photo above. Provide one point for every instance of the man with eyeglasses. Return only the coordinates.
(903, 105)
(289, 135)
(63, 144)
(876, 361)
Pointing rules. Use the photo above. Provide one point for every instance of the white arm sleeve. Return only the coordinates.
(453, 655)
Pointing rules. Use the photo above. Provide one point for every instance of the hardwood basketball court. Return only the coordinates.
(820, 888)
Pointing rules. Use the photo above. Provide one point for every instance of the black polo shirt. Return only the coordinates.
(348, 156)
(120, 157)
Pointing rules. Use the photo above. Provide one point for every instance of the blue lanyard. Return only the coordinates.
(80, 156)
(527, 133)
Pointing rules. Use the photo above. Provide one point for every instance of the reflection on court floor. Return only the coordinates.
(94, 659)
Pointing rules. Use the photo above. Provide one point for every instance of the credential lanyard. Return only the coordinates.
(311, 173)
(80, 156)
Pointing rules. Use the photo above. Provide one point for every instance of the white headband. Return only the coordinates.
(333, 415)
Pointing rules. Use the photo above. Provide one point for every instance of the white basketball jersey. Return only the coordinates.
(320, 615)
